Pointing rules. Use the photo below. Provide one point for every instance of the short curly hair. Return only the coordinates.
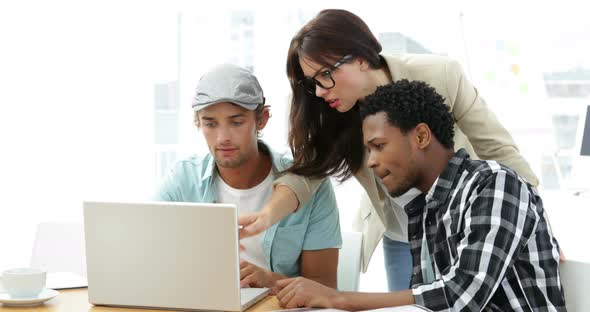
(408, 103)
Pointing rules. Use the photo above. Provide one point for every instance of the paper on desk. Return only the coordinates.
(406, 308)
(65, 280)
(308, 309)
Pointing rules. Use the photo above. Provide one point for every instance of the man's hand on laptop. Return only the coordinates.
(254, 276)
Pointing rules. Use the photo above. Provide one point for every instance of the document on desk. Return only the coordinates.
(65, 280)
(406, 308)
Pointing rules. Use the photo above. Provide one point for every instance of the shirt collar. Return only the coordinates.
(440, 188)
(444, 182)
(430, 192)
(209, 167)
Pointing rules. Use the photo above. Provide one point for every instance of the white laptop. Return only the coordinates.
(165, 255)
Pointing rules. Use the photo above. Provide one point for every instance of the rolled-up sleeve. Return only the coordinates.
(303, 187)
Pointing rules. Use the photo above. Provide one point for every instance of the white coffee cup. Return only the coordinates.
(23, 282)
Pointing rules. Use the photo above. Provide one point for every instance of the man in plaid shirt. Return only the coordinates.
(478, 233)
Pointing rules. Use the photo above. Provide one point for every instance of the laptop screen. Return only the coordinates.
(585, 149)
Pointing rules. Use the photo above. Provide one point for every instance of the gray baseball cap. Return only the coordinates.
(228, 83)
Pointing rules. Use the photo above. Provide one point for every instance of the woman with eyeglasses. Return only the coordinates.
(333, 63)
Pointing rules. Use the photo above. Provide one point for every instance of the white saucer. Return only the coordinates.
(46, 294)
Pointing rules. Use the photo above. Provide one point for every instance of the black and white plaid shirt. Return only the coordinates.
(487, 240)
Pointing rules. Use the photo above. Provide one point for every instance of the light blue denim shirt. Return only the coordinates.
(312, 227)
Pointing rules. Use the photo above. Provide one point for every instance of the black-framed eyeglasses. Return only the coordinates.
(323, 78)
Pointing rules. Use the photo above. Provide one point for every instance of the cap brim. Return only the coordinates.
(248, 106)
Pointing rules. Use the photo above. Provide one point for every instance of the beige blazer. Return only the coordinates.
(477, 130)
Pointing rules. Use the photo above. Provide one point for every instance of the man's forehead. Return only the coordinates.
(370, 128)
(375, 126)
(376, 122)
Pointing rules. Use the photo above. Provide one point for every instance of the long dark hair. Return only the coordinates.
(325, 142)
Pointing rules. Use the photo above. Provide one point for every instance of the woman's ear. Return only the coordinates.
(363, 64)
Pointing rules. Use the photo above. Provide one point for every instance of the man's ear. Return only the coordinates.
(423, 135)
(261, 122)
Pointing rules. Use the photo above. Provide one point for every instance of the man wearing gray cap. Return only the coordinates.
(240, 169)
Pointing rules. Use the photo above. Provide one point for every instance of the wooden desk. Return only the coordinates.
(76, 300)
